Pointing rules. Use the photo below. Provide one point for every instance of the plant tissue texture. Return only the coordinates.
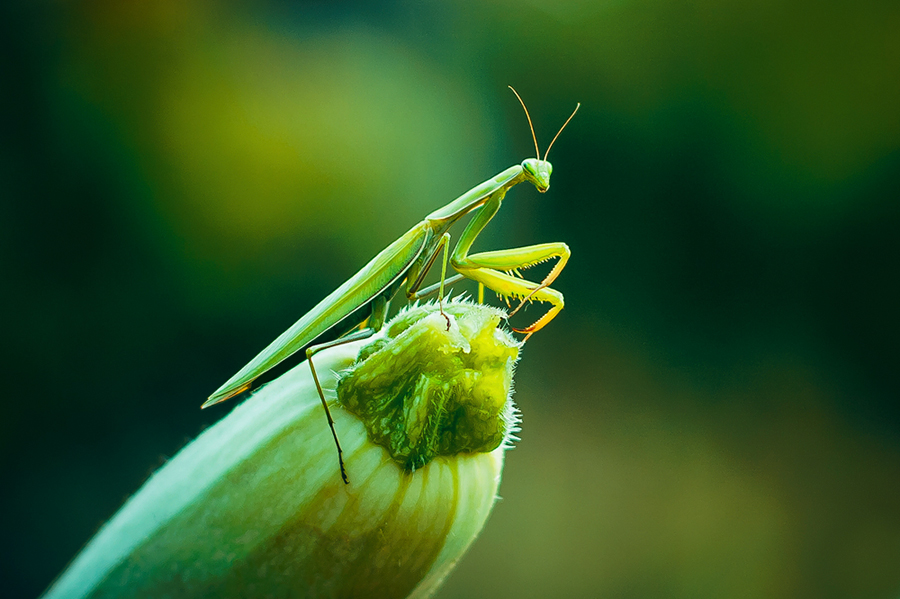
(255, 506)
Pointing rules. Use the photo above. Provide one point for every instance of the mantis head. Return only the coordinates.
(537, 172)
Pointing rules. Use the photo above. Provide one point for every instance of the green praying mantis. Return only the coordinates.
(363, 300)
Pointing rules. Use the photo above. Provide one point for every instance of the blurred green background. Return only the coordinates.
(714, 414)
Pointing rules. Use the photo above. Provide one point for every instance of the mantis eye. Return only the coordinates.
(530, 168)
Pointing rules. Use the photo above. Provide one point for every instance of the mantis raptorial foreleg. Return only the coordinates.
(492, 269)
(510, 286)
(510, 261)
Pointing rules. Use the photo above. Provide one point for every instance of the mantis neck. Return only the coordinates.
(475, 197)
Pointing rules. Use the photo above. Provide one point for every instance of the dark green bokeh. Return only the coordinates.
(714, 414)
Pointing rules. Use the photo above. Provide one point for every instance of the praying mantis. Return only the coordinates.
(363, 300)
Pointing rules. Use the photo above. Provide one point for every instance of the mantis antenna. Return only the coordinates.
(528, 116)
(577, 106)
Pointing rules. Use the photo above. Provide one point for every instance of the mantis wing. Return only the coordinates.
(375, 278)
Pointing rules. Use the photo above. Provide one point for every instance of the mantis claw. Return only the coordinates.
(344, 470)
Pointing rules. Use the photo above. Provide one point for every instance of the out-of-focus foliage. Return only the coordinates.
(714, 414)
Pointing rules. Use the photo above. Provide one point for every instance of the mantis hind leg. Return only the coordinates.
(375, 322)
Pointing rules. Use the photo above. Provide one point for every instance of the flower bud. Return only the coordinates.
(255, 506)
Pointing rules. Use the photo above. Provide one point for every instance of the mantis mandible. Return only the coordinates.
(363, 300)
